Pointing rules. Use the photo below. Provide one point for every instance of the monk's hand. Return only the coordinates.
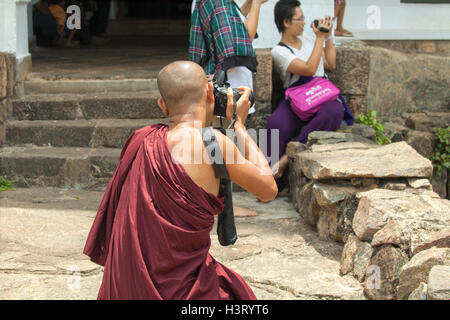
(242, 105)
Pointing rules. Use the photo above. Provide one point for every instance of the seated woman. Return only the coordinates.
(299, 58)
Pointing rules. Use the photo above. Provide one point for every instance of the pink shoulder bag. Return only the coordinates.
(305, 100)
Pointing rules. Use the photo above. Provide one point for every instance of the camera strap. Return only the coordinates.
(226, 227)
(233, 121)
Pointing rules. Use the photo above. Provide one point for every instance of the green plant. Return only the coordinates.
(441, 154)
(6, 184)
(370, 119)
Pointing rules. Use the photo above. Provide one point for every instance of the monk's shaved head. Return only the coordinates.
(181, 83)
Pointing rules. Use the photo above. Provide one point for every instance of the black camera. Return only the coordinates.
(220, 94)
(322, 29)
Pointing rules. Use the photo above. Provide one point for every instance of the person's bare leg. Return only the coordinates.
(336, 11)
(278, 168)
(340, 31)
(243, 212)
(69, 43)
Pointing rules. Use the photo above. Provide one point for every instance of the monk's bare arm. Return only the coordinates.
(248, 169)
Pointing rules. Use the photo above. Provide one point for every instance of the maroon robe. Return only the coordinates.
(152, 229)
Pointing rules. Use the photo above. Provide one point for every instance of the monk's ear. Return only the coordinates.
(162, 105)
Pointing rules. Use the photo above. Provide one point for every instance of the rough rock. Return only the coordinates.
(423, 142)
(440, 239)
(427, 121)
(351, 75)
(339, 146)
(439, 283)
(7, 75)
(327, 195)
(329, 137)
(396, 85)
(295, 147)
(263, 78)
(331, 201)
(441, 183)
(309, 208)
(394, 186)
(348, 254)
(418, 214)
(417, 269)
(420, 293)
(369, 218)
(394, 160)
(362, 260)
(390, 234)
(398, 131)
(382, 275)
(419, 183)
(364, 131)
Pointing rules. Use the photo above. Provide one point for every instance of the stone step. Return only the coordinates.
(65, 167)
(118, 105)
(83, 86)
(108, 133)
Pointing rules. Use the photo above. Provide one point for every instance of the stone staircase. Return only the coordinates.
(69, 133)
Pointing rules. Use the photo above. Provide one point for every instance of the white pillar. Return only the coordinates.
(14, 34)
(8, 26)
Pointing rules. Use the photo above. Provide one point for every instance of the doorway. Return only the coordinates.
(145, 35)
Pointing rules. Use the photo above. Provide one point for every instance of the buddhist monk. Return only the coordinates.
(152, 229)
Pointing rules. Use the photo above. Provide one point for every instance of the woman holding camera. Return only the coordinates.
(298, 59)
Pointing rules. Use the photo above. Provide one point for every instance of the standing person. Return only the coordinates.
(339, 10)
(152, 230)
(221, 38)
(99, 20)
(297, 59)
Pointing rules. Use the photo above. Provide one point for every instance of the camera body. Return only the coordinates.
(322, 29)
(220, 94)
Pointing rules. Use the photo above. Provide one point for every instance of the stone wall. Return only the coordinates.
(435, 47)
(417, 129)
(378, 201)
(7, 76)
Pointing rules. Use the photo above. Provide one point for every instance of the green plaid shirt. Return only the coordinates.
(218, 36)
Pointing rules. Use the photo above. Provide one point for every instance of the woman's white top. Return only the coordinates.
(282, 58)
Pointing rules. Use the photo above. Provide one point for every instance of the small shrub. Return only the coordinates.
(370, 119)
(6, 184)
(441, 154)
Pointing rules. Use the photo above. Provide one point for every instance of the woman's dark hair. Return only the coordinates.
(284, 9)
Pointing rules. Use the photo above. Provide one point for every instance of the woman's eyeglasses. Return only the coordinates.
(302, 19)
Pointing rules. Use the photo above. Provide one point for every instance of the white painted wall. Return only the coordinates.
(8, 21)
(396, 20)
(267, 30)
(22, 29)
(14, 27)
(402, 21)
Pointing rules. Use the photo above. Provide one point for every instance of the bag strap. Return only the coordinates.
(285, 45)
(290, 49)
(210, 141)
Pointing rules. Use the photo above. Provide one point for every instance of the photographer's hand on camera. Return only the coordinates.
(325, 23)
(243, 104)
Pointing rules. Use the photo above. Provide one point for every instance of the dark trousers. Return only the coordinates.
(99, 21)
(328, 118)
(45, 29)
